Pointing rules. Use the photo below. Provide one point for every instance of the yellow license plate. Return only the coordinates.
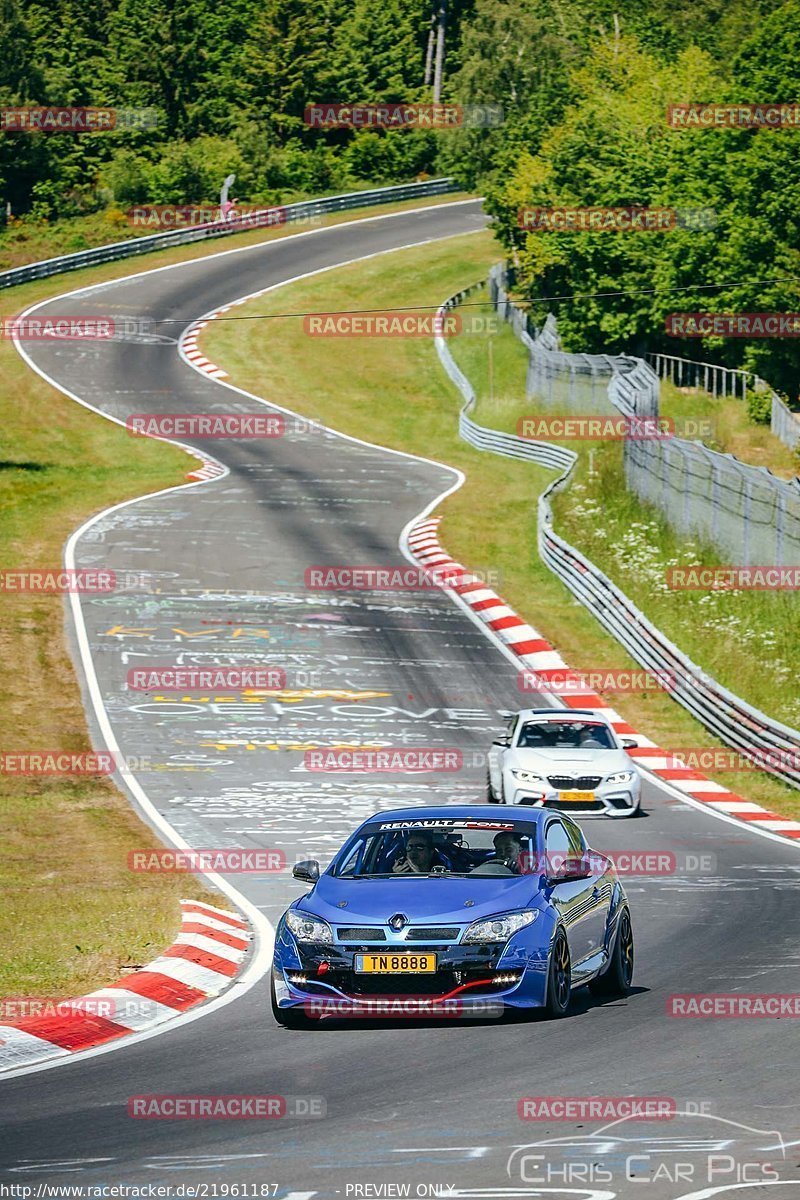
(396, 964)
(575, 797)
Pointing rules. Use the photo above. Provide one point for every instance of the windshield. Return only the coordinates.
(440, 848)
(566, 735)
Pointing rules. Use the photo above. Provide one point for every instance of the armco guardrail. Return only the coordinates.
(771, 745)
(599, 382)
(262, 218)
(493, 440)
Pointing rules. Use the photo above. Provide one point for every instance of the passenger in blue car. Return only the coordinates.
(421, 855)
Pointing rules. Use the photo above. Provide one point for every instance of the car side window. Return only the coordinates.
(349, 865)
(557, 848)
(577, 840)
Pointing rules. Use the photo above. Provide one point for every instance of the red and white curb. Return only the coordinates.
(205, 958)
(189, 345)
(188, 342)
(210, 469)
(535, 653)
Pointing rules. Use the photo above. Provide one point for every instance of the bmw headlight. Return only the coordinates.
(621, 777)
(308, 929)
(526, 776)
(500, 929)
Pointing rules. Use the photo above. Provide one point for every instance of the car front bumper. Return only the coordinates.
(478, 981)
(608, 800)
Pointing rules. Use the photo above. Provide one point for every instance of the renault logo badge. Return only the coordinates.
(398, 922)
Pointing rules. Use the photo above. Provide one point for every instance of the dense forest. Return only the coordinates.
(584, 92)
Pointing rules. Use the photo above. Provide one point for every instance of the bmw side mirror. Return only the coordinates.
(503, 740)
(629, 743)
(307, 870)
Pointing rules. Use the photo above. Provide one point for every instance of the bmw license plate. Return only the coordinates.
(396, 964)
(575, 797)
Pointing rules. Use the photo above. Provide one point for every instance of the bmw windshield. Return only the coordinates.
(566, 735)
(443, 847)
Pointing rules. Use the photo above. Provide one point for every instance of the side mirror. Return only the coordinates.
(503, 740)
(307, 870)
(568, 870)
(569, 876)
(629, 743)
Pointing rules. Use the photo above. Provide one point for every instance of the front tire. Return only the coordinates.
(617, 978)
(559, 978)
(289, 1018)
(490, 796)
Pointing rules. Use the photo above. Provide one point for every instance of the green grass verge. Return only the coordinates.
(73, 913)
(71, 909)
(400, 397)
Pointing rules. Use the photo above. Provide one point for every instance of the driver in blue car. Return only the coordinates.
(420, 855)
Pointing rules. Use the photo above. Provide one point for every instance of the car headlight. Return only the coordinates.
(526, 776)
(500, 929)
(621, 777)
(308, 929)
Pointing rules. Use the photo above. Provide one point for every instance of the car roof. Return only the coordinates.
(477, 812)
(561, 714)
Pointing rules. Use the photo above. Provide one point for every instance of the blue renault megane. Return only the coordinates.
(461, 910)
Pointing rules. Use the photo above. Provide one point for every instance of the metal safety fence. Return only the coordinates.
(744, 511)
(261, 218)
(768, 743)
(478, 436)
(602, 383)
(729, 381)
(784, 423)
(719, 381)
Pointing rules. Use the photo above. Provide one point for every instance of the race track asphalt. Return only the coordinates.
(405, 1103)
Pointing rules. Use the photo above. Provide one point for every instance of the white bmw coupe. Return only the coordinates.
(571, 759)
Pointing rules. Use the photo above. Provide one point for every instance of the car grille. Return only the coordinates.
(369, 933)
(583, 783)
(415, 933)
(432, 933)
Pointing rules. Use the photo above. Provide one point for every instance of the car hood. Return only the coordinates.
(441, 899)
(557, 761)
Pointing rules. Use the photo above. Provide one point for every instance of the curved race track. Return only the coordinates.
(411, 1104)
